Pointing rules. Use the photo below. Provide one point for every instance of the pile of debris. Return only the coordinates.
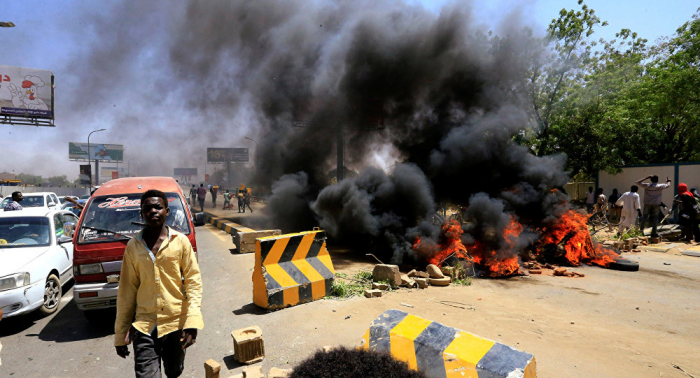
(387, 276)
(628, 245)
(537, 268)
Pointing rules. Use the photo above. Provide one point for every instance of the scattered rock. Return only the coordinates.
(253, 372)
(577, 274)
(445, 281)
(373, 293)
(380, 286)
(422, 282)
(212, 369)
(559, 271)
(279, 373)
(535, 271)
(248, 345)
(407, 281)
(348, 317)
(386, 272)
(434, 271)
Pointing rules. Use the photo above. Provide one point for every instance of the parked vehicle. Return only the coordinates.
(36, 257)
(46, 200)
(111, 217)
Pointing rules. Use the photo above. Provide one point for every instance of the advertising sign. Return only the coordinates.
(85, 174)
(108, 172)
(103, 152)
(26, 92)
(227, 155)
(185, 172)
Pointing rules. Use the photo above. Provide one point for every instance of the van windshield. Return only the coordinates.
(110, 218)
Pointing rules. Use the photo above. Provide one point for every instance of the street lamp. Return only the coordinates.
(89, 162)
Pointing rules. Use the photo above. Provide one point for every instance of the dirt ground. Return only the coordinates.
(607, 324)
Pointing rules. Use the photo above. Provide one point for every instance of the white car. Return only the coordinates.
(45, 200)
(36, 259)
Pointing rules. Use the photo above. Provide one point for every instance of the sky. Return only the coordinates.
(59, 35)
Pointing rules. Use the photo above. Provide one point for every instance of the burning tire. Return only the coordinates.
(624, 265)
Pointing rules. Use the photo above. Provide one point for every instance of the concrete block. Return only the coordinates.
(440, 351)
(434, 271)
(253, 372)
(248, 345)
(380, 286)
(386, 272)
(279, 373)
(291, 269)
(244, 238)
(212, 369)
(373, 293)
(418, 274)
(422, 282)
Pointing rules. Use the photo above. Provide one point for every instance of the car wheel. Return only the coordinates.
(624, 265)
(52, 295)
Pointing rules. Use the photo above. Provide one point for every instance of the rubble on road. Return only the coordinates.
(380, 286)
(371, 293)
(434, 271)
(387, 273)
(417, 274)
(248, 345)
(422, 282)
(407, 281)
(280, 373)
(445, 281)
(212, 369)
(253, 372)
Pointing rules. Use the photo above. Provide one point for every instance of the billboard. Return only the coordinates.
(85, 174)
(103, 152)
(26, 93)
(185, 172)
(226, 155)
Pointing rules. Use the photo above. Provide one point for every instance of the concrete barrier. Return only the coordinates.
(291, 269)
(440, 351)
(244, 238)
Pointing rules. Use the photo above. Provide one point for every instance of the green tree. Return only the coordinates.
(58, 180)
(28, 179)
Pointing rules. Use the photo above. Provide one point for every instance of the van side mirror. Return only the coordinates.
(69, 229)
(64, 239)
(52, 204)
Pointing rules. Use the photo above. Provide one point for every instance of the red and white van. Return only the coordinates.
(110, 218)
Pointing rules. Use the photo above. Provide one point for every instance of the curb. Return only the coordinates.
(440, 351)
(222, 224)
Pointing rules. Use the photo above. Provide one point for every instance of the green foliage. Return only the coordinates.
(28, 179)
(632, 232)
(347, 287)
(607, 104)
(58, 181)
(466, 281)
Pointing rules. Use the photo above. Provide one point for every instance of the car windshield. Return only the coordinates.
(32, 201)
(24, 231)
(5, 201)
(110, 218)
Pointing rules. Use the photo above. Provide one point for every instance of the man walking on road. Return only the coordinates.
(14, 204)
(630, 208)
(214, 193)
(193, 195)
(652, 201)
(201, 195)
(153, 310)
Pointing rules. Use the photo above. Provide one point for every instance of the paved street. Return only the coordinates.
(608, 324)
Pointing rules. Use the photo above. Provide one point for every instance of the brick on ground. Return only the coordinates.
(386, 272)
(279, 373)
(212, 369)
(253, 372)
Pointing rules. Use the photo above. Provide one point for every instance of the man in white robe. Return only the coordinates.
(630, 208)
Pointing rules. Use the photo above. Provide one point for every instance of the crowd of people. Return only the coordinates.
(242, 196)
(629, 209)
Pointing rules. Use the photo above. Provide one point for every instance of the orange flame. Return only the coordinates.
(507, 263)
(579, 247)
(450, 242)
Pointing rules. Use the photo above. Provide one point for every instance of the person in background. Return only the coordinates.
(214, 193)
(614, 209)
(227, 200)
(240, 194)
(601, 202)
(201, 195)
(590, 199)
(246, 200)
(13, 205)
(652, 201)
(76, 205)
(159, 302)
(193, 195)
(688, 213)
(629, 202)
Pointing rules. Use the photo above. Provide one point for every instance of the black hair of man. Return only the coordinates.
(654, 178)
(599, 191)
(634, 189)
(590, 188)
(201, 184)
(154, 193)
(614, 191)
(351, 363)
(15, 195)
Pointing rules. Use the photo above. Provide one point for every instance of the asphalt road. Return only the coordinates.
(608, 324)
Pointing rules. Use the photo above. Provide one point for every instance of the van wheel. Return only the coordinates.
(52, 295)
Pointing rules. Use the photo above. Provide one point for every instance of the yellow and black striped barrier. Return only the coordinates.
(440, 351)
(291, 269)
